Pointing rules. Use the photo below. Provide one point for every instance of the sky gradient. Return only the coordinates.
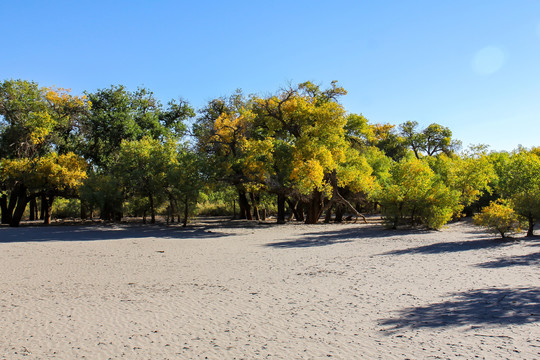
(473, 66)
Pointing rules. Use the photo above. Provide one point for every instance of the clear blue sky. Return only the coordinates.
(472, 65)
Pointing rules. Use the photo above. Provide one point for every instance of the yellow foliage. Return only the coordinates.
(499, 217)
(229, 129)
(61, 97)
(381, 131)
(356, 173)
(309, 175)
(52, 171)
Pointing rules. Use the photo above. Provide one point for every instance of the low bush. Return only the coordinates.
(499, 217)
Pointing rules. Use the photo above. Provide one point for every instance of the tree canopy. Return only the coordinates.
(298, 151)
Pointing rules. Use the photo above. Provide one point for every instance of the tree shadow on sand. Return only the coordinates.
(102, 232)
(453, 246)
(498, 307)
(331, 237)
(520, 260)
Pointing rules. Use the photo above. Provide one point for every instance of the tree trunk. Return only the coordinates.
(10, 206)
(281, 209)
(339, 214)
(118, 215)
(297, 210)
(21, 201)
(328, 216)
(530, 230)
(84, 210)
(186, 212)
(48, 211)
(36, 210)
(255, 206)
(300, 210)
(6, 215)
(315, 208)
(33, 208)
(152, 209)
(172, 209)
(245, 208)
(43, 207)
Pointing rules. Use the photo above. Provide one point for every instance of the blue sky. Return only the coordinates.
(473, 66)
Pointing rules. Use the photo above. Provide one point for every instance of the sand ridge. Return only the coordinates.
(238, 290)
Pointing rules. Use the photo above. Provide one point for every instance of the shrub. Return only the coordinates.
(499, 217)
(66, 208)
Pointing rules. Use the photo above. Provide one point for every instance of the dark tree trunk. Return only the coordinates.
(84, 210)
(10, 206)
(315, 208)
(178, 212)
(254, 201)
(44, 206)
(112, 209)
(118, 215)
(339, 214)
(245, 208)
(152, 210)
(328, 216)
(21, 201)
(172, 209)
(297, 210)
(6, 215)
(281, 209)
(186, 212)
(33, 208)
(530, 230)
(48, 211)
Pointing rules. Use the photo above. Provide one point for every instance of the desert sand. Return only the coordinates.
(239, 290)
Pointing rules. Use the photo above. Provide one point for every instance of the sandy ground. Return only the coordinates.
(222, 291)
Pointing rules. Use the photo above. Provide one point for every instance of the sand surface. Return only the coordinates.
(221, 291)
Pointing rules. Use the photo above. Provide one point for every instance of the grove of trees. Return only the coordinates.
(298, 153)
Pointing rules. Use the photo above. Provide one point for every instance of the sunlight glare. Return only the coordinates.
(488, 60)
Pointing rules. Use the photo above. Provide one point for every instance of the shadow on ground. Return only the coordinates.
(453, 246)
(103, 232)
(330, 237)
(520, 260)
(478, 307)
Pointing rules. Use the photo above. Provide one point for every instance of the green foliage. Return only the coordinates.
(185, 181)
(35, 144)
(314, 145)
(519, 180)
(143, 167)
(103, 192)
(470, 175)
(391, 143)
(431, 141)
(413, 193)
(66, 208)
(215, 209)
(120, 115)
(499, 217)
(118, 149)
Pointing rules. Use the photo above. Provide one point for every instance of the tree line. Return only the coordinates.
(299, 149)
